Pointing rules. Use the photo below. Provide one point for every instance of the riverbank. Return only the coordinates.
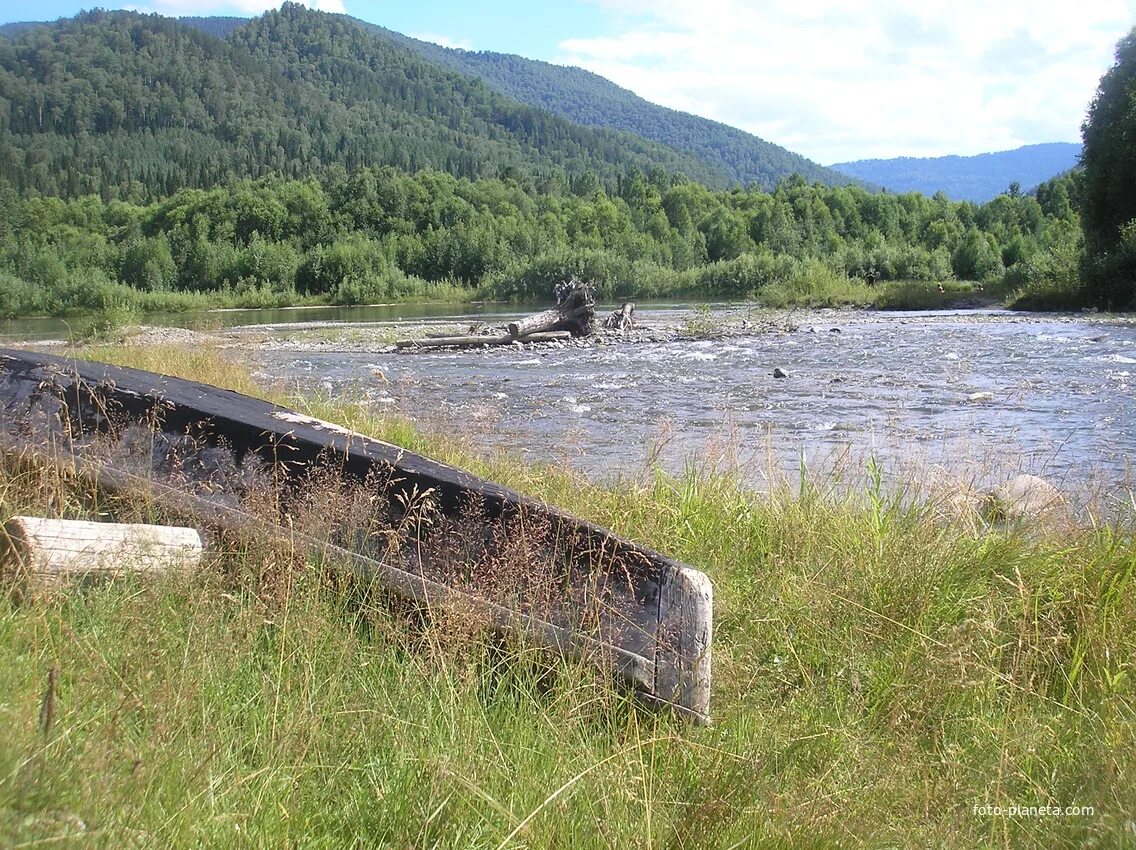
(122, 305)
(305, 330)
(883, 676)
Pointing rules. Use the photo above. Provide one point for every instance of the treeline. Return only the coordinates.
(381, 233)
(1109, 180)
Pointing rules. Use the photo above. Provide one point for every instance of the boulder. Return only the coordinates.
(1022, 497)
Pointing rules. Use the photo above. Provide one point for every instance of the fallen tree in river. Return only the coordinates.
(574, 315)
(477, 340)
(575, 312)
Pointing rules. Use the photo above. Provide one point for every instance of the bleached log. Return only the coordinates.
(474, 341)
(51, 552)
(575, 312)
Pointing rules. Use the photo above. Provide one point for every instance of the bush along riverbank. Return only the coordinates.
(381, 235)
(883, 675)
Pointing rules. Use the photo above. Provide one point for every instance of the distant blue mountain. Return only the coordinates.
(967, 178)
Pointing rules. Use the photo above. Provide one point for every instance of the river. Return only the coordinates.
(985, 394)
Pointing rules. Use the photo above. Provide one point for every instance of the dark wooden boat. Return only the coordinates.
(421, 529)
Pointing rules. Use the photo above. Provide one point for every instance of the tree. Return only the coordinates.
(1108, 198)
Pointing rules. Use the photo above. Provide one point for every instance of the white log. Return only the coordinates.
(474, 341)
(47, 552)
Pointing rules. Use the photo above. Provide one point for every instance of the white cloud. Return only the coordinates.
(890, 79)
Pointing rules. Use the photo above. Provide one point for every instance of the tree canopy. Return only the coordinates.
(1108, 200)
(139, 106)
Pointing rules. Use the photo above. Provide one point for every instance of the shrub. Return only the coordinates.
(325, 267)
(147, 264)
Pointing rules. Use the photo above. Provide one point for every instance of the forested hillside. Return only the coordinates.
(379, 234)
(138, 107)
(727, 155)
(146, 163)
(589, 99)
(968, 178)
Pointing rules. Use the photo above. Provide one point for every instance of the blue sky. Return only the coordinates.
(835, 83)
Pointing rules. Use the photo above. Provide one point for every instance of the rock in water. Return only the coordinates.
(1022, 497)
(780, 373)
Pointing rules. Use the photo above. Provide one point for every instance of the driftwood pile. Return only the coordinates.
(573, 316)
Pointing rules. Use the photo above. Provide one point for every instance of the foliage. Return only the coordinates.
(111, 324)
(381, 234)
(1108, 204)
(138, 106)
(304, 158)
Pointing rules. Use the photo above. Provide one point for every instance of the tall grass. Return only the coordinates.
(878, 673)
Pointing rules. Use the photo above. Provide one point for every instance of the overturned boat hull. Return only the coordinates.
(421, 529)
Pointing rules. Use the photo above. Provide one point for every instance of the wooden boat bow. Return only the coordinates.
(422, 529)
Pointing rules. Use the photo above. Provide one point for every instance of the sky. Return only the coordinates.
(888, 78)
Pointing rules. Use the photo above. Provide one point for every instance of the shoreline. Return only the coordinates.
(655, 325)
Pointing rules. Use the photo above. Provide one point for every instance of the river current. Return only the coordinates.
(984, 395)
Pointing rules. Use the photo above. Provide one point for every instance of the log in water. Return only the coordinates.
(476, 340)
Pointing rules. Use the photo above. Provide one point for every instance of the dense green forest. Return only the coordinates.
(1109, 177)
(381, 233)
(137, 107)
(728, 156)
(147, 164)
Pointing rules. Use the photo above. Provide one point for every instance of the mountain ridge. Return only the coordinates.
(161, 105)
(747, 158)
(727, 156)
(977, 178)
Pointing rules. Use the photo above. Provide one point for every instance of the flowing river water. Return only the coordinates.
(983, 394)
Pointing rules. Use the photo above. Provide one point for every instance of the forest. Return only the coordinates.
(378, 234)
(147, 164)
(138, 107)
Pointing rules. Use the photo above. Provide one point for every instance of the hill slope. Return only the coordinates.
(968, 178)
(592, 100)
(589, 99)
(139, 106)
